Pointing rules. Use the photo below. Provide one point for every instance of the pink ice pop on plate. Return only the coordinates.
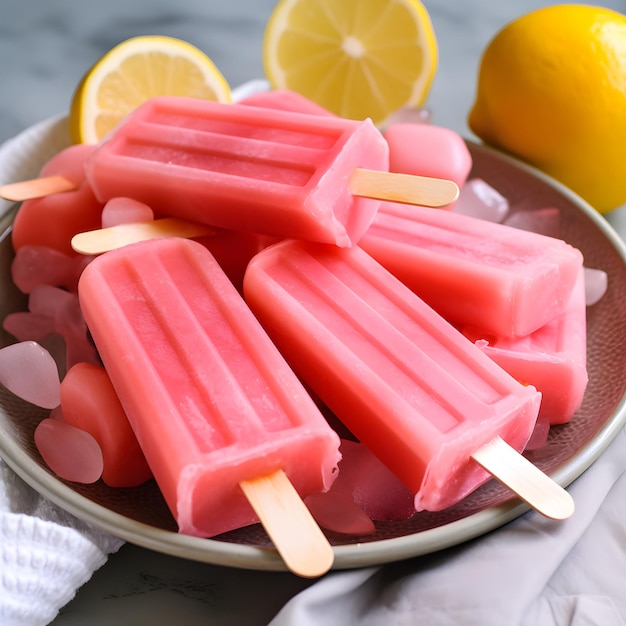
(251, 168)
(409, 386)
(428, 150)
(481, 274)
(553, 358)
(213, 404)
(53, 219)
(242, 167)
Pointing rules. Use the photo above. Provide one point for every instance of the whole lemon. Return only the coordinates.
(552, 92)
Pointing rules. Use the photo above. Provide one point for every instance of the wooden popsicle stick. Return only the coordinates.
(404, 188)
(289, 524)
(35, 188)
(525, 479)
(106, 239)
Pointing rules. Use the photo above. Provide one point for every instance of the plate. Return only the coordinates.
(140, 516)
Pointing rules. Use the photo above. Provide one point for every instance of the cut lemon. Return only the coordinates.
(134, 71)
(358, 59)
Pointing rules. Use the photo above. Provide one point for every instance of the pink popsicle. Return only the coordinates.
(416, 392)
(553, 358)
(285, 100)
(52, 220)
(211, 400)
(428, 150)
(242, 167)
(496, 278)
(252, 168)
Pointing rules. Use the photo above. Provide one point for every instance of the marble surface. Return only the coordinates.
(45, 47)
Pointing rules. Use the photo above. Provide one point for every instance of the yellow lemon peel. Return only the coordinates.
(552, 91)
(134, 71)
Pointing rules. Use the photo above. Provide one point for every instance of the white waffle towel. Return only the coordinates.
(46, 554)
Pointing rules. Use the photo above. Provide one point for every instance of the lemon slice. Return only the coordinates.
(356, 58)
(134, 71)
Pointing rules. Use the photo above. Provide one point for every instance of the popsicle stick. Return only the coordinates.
(289, 524)
(404, 188)
(525, 479)
(35, 188)
(106, 239)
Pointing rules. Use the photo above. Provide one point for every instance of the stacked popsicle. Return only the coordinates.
(517, 294)
(215, 406)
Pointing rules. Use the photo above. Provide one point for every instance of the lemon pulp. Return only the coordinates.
(357, 59)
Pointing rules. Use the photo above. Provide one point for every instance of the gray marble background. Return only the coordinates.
(45, 48)
(47, 45)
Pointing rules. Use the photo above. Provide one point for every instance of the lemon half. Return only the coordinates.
(134, 71)
(356, 58)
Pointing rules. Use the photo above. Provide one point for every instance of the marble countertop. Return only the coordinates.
(45, 47)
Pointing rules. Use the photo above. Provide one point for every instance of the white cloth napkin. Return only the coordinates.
(532, 572)
(46, 554)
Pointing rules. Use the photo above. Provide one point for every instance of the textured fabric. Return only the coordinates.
(45, 554)
(532, 572)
